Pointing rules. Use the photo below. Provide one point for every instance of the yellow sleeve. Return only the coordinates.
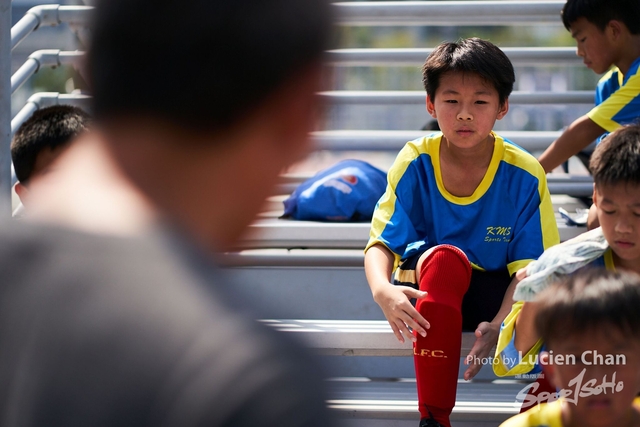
(544, 415)
(540, 228)
(391, 226)
(604, 114)
(508, 361)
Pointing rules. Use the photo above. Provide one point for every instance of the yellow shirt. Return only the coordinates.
(544, 415)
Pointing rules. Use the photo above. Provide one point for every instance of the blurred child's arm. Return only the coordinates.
(582, 132)
(525, 329)
(512, 358)
(393, 300)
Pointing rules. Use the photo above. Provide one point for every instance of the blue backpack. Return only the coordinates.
(346, 191)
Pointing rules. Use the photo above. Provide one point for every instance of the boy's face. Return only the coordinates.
(596, 399)
(594, 46)
(466, 107)
(618, 210)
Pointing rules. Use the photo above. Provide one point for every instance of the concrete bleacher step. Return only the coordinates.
(292, 234)
(485, 399)
(270, 231)
(576, 185)
(351, 337)
(396, 399)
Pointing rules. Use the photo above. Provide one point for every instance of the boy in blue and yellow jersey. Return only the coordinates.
(464, 209)
(615, 165)
(591, 326)
(607, 33)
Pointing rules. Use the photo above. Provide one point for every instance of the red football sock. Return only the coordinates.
(445, 275)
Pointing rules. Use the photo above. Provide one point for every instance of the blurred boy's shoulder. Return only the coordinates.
(542, 415)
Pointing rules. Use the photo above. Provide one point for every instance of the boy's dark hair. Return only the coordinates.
(201, 64)
(49, 127)
(590, 299)
(616, 159)
(469, 55)
(600, 12)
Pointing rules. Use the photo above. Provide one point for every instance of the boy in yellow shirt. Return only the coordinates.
(594, 358)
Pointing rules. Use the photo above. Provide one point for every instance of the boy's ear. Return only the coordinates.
(593, 197)
(504, 108)
(615, 28)
(431, 108)
(22, 192)
(549, 369)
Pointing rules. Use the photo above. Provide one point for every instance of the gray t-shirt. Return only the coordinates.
(108, 331)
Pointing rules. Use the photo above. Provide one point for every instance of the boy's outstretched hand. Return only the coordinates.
(401, 315)
(486, 338)
(487, 332)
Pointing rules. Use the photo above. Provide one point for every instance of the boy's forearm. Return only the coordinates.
(507, 302)
(525, 328)
(378, 265)
(575, 138)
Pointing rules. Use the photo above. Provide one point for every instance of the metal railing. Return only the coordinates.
(344, 97)
(393, 140)
(573, 185)
(48, 15)
(42, 58)
(450, 13)
(388, 13)
(415, 56)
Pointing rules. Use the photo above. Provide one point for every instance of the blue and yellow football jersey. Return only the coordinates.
(507, 222)
(617, 98)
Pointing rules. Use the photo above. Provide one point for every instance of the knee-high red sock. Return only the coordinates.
(445, 275)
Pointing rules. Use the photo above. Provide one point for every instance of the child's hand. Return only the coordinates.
(486, 338)
(401, 315)
(521, 274)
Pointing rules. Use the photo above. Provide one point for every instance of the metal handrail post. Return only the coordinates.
(29, 108)
(26, 70)
(48, 15)
(27, 24)
(5, 108)
(42, 58)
